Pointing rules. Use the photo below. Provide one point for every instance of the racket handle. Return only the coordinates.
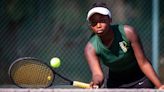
(80, 84)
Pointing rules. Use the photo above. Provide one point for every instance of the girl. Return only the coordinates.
(119, 48)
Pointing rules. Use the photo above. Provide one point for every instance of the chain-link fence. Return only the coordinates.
(49, 28)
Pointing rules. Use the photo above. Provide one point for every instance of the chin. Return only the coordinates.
(100, 34)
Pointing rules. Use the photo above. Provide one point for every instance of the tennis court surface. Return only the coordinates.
(76, 90)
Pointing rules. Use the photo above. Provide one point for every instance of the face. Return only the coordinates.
(99, 23)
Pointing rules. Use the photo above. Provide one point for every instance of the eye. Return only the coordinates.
(93, 23)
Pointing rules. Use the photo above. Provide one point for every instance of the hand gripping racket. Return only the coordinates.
(29, 72)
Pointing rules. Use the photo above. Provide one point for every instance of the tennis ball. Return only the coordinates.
(49, 78)
(55, 62)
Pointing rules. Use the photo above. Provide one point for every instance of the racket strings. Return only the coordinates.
(33, 75)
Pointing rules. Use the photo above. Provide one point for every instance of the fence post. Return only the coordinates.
(155, 34)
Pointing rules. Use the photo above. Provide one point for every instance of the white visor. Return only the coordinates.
(100, 10)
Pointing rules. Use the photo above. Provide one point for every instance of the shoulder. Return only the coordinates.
(94, 40)
(89, 48)
(130, 32)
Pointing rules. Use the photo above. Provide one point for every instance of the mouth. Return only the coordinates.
(100, 31)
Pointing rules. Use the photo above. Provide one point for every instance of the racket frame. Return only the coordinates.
(29, 58)
(74, 83)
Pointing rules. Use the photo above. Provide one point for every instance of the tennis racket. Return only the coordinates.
(29, 72)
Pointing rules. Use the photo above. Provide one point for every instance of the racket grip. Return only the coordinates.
(80, 84)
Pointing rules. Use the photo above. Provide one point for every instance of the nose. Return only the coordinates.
(98, 25)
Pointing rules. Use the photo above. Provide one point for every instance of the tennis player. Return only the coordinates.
(119, 48)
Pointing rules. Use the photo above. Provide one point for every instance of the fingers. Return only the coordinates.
(93, 86)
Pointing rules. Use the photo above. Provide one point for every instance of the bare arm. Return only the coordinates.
(142, 60)
(94, 64)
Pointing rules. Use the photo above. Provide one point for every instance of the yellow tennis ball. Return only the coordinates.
(49, 78)
(55, 62)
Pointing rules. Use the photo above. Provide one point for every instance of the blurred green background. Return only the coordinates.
(49, 28)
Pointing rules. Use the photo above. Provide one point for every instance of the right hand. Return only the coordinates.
(93, 86)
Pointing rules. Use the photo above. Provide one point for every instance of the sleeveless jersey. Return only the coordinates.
(119, 56)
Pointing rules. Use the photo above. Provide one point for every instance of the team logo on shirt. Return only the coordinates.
(124, 46)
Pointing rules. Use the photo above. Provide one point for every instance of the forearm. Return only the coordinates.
(150, 73)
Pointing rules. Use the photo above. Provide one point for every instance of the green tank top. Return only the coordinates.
(119, 56)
